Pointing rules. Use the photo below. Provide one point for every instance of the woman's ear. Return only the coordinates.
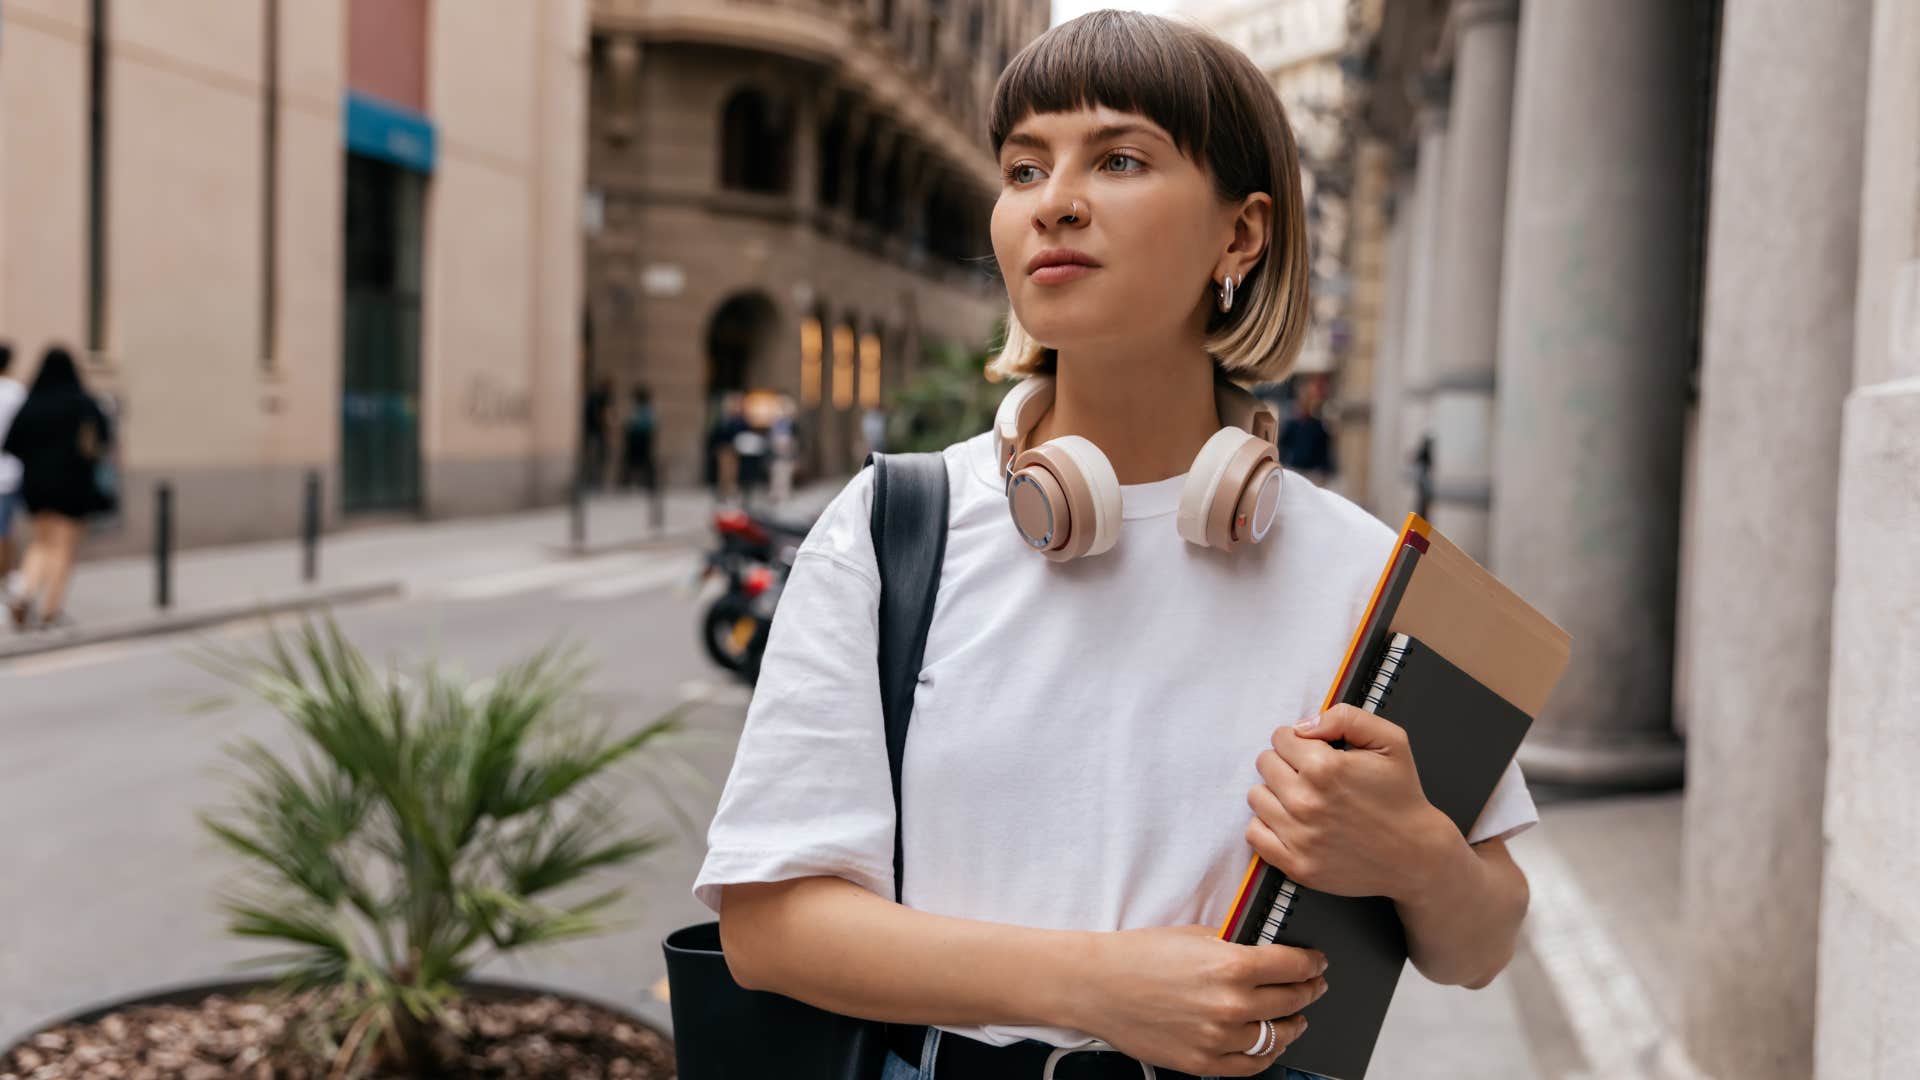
(1252, 231)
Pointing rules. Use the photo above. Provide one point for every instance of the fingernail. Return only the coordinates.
(1308, 724)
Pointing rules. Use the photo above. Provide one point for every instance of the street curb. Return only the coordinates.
(158, 625)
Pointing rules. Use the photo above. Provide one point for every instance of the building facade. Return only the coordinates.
(789, 196)
(291, 237)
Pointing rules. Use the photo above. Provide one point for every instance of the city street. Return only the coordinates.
(111, 884)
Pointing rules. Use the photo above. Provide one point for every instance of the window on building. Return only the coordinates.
(810, 345)
(833, 139)
(97, 179)
(870, 359)
(754, 144)
(843, 342)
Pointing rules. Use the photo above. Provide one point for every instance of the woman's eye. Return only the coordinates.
(1021, 174)
(1134, 164)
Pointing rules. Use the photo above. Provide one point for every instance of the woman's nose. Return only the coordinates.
(1064, 209)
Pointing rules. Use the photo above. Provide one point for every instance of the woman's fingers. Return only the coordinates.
(1272, 1001)
(1237, 1062)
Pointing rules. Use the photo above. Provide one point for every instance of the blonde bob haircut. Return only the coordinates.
(1224, 116)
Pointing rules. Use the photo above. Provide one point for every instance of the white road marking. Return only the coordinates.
(665, 573)
(1613, 1018)
(528, 579)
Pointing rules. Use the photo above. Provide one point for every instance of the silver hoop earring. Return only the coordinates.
(1226, 294)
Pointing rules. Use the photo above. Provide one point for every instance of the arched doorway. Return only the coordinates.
(742, 356)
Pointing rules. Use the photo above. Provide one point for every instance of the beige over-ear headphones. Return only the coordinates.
(1065, 499)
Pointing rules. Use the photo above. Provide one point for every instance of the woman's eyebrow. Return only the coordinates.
(1099, 134)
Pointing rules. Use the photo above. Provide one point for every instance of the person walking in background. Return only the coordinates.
(637, 455)
(11, 395)
(873, 428)
(721, 445)
(1306, 446)
(593, 433)
(786, 447)
(60, 435)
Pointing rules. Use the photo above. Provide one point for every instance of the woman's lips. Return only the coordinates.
(1060, 273)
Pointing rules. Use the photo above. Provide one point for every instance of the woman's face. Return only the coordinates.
(1104, 231)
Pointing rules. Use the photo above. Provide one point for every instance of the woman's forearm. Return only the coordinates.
(1462, 928)
(833, 944)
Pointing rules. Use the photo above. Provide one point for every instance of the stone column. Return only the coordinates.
(1386, 483)
(1467, 313)
(1782, 260)
(1416, 357)
(1869, 970)
(1594, 329)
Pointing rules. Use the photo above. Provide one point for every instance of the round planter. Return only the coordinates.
(479, 991)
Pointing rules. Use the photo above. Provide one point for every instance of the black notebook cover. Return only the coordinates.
(1463, 736)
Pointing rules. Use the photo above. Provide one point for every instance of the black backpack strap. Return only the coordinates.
(909, 526)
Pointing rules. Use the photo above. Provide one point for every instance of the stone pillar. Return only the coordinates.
(1467, 312)
(1386, 482)
(1594, 329)
(1869, 970)
(1782, 260)
(1416, 357)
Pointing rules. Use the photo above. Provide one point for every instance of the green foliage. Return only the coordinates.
(947, 400)
(424, 823)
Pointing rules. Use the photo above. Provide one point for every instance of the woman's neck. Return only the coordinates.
(1149, 411)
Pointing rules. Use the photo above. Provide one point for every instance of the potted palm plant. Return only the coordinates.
(424, 824)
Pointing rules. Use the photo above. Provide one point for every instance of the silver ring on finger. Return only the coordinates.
(1264, 1041)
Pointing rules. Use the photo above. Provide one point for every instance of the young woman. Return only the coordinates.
(59, 435)
(1086, 725)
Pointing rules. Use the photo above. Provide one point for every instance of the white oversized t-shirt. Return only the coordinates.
(1083, 733)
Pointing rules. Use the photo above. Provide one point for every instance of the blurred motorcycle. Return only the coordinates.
(752, 558)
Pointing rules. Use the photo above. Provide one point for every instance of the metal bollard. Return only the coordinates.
(163, 545)
(577, 510)
(310, 531)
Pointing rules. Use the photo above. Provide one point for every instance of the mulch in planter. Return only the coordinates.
(524, 1037)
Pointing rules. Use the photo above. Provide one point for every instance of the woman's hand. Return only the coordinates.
(1178, 997)
(1351, 822)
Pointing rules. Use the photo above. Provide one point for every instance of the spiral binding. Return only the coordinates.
(1388, 670)
(1282, 908)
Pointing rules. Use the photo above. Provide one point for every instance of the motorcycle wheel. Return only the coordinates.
(728, 631)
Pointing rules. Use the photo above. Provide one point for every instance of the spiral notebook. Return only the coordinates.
(1456, 659)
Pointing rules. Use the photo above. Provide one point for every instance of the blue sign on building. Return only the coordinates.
(389, 132)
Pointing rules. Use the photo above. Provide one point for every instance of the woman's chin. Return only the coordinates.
(1069, 334)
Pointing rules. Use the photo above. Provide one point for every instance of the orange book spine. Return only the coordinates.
(1415, 527)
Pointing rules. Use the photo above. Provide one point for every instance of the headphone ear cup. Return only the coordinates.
(1101, 492)
(1065, 499)
(1232, 491)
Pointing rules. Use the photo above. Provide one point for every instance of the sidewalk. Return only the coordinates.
(113, 599)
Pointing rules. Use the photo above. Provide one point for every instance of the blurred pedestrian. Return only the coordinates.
(12, 393)
(1422, 468)
(1306, 445)
(873, 428)
(637, 456)
(724, 456)
(61, 437)
(594, 433)
(786, 448)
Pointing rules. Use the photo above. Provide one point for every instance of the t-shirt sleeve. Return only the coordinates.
(1509, 810)
(809, 793)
